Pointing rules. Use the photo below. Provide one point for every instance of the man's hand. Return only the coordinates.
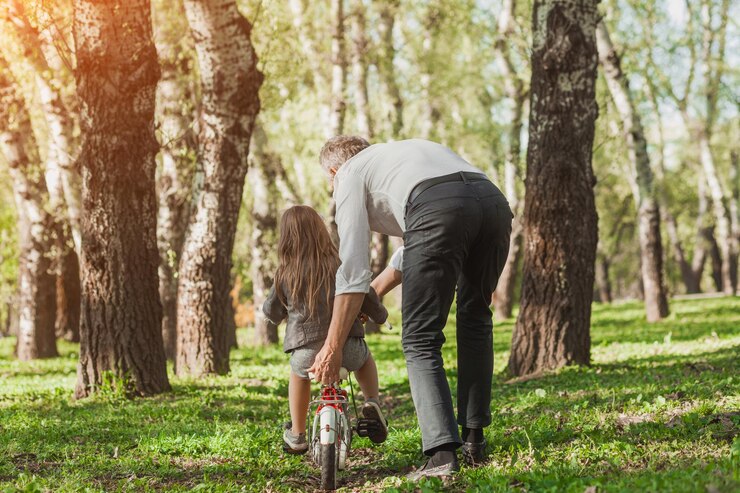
(326, 365)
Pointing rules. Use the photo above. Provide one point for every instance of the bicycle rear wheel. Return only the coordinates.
(329, 466)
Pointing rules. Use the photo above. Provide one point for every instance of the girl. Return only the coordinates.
(303, 292)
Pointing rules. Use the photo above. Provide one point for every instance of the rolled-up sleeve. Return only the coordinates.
(354, 274)
(397, 259)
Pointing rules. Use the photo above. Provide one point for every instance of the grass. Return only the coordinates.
(658, 410)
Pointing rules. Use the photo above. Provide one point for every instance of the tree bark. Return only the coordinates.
(359, 70)
(560, 221)
(117, 73)
(712, 68)
(230, 82)
(429, 112)
(175, 116)
(602, 279)
(648, 211)
(62, 179)
(386, 54)
(337, 104)
(514, 88)
(715, 257)
(36, 283)
(262, 178)
(735, 214)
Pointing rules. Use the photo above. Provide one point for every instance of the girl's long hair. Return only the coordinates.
(307, 259)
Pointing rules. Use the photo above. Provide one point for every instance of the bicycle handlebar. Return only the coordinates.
(343, 374)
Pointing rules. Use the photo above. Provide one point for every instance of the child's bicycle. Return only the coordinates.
(331, 433)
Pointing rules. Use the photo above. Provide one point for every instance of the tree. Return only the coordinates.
(516, 93)
(175, 115)
(230, 82)
(648, 211)
(62, 179)
(700, 126)
(36, 283)
(117, 73)
(262, 178)
(560, 222)
(384, 59)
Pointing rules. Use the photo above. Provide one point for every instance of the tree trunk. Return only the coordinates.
(429, 112)
(117, 73)
(703, 233)
(602, 280)
(386, 54)
(648, 212)
(68, 296)
(359, 70)
(264, 233)
(338, 70)
(175, 115)
(715, 256)
(712, 67)
(503, 296)
(230, 82)
(735, 214)
(62, 180)
(36, 284)
(725, 239)
(560, 221)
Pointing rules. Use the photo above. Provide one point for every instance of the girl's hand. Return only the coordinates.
(363, 318)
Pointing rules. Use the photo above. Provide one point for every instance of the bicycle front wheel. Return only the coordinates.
(329, 466)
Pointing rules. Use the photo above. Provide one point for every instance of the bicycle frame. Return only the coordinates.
(331, 423)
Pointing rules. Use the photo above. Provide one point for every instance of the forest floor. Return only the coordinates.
(659, 410)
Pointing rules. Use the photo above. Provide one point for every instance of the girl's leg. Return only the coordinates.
(299, 394)
(367, 377)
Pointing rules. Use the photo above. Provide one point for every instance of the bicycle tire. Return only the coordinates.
(329, 466)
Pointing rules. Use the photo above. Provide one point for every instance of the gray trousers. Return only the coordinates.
(457, 235)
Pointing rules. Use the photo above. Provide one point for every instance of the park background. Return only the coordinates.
(140, 192)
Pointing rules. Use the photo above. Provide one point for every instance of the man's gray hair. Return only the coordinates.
(340, 149)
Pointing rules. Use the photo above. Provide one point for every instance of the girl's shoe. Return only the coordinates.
(376, 425)
(294, 444)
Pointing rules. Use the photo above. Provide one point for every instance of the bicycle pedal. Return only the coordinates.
(366, 427)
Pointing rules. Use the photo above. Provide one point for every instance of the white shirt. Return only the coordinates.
(371, 191)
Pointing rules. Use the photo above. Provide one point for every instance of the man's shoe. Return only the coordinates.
(377, 428)
(431, 471)
(294, 444)
(474, 453)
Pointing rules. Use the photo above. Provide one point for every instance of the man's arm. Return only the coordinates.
(329, 360)
(353, 275)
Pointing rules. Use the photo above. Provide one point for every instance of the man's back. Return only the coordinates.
(391, 170)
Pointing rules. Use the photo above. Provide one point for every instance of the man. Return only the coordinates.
(456, 226)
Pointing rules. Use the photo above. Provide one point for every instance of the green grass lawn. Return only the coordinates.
(659, 410)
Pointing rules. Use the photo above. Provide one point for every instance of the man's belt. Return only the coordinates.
(464, 176)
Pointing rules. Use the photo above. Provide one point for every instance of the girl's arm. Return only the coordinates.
(373, 308)
(273, 308)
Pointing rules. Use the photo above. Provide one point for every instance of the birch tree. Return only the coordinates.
(262, 178)
(516, 95)
(560, 223)
(117, 73)
(229, 82)
(648, 211)
(175, 118)
(62, 179)
(36, 285)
